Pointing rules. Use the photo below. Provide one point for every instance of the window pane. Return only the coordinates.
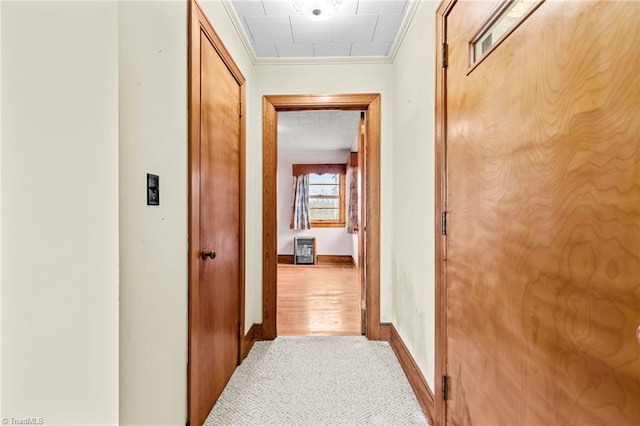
(324, 214)
(325, 178)
(324, 190)
(507, 19)
(326, 203)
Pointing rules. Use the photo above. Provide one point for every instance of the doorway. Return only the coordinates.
(370, 104)
(319, 293)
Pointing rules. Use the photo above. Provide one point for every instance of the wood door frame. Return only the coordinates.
(197, 23)
(271, 105)
(441, 206)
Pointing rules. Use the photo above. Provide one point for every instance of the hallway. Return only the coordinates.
(321, 380)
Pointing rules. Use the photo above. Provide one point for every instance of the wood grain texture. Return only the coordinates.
(362, 225)
(334, 259)
(543, 194)
(371, 204)
(216, 158)
(411, 370)
(287, 259)
(253, 335)
(269, 218)
(318, 300)
(370, 103)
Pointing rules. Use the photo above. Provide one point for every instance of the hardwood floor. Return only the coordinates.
(318, 300)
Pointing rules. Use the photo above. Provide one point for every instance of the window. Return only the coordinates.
(504, 20)
(326, 200)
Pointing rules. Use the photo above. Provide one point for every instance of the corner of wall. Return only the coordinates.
(413, 252)
(153, 40)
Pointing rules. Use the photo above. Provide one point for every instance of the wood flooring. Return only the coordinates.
(318, 300)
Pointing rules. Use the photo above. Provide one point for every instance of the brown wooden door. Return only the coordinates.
(543, 199)
(216, 259)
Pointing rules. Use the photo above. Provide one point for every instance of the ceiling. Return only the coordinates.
(273, 29)
(363, 30)
(318, 130)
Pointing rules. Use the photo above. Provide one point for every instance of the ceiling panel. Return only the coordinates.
(265, 50)
(370, 49)
(276, 7)
(266, 23)
(270, 29)
(318, 130)
(305, 31)
(289, 50)
(387, 28)
(379, 7)
(332, 49)
(354, 28)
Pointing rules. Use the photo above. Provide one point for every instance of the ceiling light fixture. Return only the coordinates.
(317, 10)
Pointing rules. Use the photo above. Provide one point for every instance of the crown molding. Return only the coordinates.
(324, 60)
(237, 25)
(412, 6)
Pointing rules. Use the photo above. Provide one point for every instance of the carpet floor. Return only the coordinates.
(337, 380)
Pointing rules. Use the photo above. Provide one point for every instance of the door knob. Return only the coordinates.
(206, 253)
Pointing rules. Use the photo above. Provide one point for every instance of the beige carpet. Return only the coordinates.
(318, 381)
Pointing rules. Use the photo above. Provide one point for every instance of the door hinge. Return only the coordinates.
(363, 305)
(241, 109)
(445, 55)
(445, 388)
(240, 330)
(444, 223)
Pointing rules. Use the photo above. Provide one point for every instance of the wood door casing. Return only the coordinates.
(539, 275)
(371, 174)
(216, 204)
(362, 244)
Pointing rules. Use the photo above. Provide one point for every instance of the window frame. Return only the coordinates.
(331, 223)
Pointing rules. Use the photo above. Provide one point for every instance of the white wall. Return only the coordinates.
(333, 241)
(153, 239)
(323, 79)
(412, 255)
(60, 212)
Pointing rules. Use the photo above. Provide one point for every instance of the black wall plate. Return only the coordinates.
(153, 190)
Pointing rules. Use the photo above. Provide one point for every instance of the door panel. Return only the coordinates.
(216, 221)
(219, 216)
(543, 194)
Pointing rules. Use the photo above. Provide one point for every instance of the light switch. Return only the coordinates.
(153, 190)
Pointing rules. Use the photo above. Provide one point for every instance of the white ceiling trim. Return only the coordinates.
(228, 7)
(412, 6)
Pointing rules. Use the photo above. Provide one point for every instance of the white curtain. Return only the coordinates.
(300, 203)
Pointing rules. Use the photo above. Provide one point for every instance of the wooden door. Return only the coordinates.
(216, 228)
(543, 199)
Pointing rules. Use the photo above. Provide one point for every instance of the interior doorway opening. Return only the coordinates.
(370, 225)
(319, 293)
